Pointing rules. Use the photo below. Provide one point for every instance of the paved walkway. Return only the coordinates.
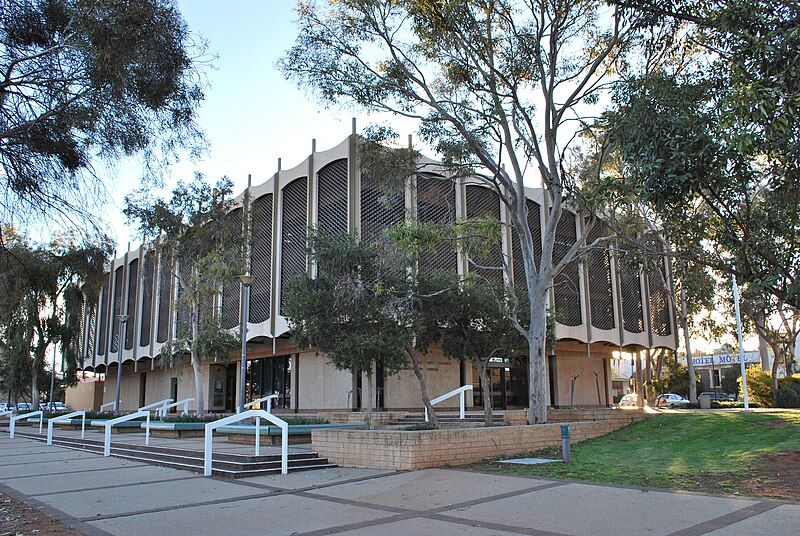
(101, 496)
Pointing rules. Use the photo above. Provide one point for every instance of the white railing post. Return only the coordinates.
(162, 411)
(257, 414)
(159, 404)
(268, 399)
(462, 405)
(109, 404)
(109, 424)
(65, 417)
(12, 423)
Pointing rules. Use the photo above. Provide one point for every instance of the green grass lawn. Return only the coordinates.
(748, 453)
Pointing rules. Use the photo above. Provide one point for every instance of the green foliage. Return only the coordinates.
(675, 379)
(789, 396)
(759, 386)
(348, 311)
(89, 79)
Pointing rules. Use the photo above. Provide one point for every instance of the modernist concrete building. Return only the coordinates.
(603, 304)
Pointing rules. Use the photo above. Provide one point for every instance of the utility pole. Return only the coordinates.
(246, 282)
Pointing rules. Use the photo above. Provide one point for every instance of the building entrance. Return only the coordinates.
(267, 376)
(508, 385)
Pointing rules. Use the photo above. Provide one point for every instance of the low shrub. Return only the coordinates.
(209, 417)
(419, 427)
(789, 396)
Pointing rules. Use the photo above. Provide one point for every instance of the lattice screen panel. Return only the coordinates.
(382, 205)
(483, 203)
(147, 298)
(659, 301)
(91, 325)
(598, 266)
(631, 291)
(293, 236)
(567, 284)
(261, 259)
(182, 309)
(118, 274)
(165, 282)
(231, 290)
(101, 339)
(436, 205)
(130, 307)
(332, 197)
(535, 225)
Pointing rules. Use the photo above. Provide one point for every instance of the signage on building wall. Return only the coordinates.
(725, 359)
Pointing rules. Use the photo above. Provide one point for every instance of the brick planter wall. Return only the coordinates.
(404, 450)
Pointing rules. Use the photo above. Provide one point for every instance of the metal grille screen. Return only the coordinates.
(183, 311)
(147, 299)
(231, 289)
(332, 197)
(598, 266)
(118, 273)
(261, 259)
(382, 205)
(566, 284)
(535, 225)
(101, 339)
(90, 328)
(483, 203)
(293, 233)
(164, 296)
(133, 281)
(659, 301)
(436, 205)
(631, 292)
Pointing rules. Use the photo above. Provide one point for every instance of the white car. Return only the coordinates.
(670, 400)
(630, 400)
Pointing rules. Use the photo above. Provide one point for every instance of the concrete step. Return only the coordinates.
(223, 464)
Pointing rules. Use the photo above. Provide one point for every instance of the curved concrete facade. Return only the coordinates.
(603, 301)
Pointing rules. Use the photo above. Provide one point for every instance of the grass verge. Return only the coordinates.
(744, 453)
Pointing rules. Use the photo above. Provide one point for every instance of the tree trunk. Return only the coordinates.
(197, 365)
(689, 364)
(486, 394)
(537, 379)
(368, 419)
(774, 377)
(433, 420)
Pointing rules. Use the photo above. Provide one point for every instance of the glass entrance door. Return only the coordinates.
(271, 375)
(508, 387)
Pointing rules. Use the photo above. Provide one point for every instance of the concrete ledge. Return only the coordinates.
(410, 450)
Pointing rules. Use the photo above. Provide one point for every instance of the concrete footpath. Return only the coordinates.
(100, 496)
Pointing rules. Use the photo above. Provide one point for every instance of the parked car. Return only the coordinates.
(670, 400)
(3, 406)
(630, 400)
(23, 406)
(55, 407)
(717, 396)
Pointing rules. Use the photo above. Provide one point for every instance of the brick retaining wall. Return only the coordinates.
(403, 450)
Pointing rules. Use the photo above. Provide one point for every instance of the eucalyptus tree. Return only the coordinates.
(498, 86)
(205, 250)
(43, 292)
(83, 83)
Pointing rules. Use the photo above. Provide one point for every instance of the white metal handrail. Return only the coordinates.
(65, 417)
(162, 411)
(258, 414)
(460, 391)
(129, 417)
(14, 418)
(109, 404)
(159, 404)
(268, 399)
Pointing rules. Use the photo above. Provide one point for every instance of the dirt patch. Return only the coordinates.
(778, 423)
(19, 518)
(772, 475)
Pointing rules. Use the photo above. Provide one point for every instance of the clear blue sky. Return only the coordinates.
(251, 115)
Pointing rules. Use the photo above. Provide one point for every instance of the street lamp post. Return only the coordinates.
(123, 322)
(246, 281)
